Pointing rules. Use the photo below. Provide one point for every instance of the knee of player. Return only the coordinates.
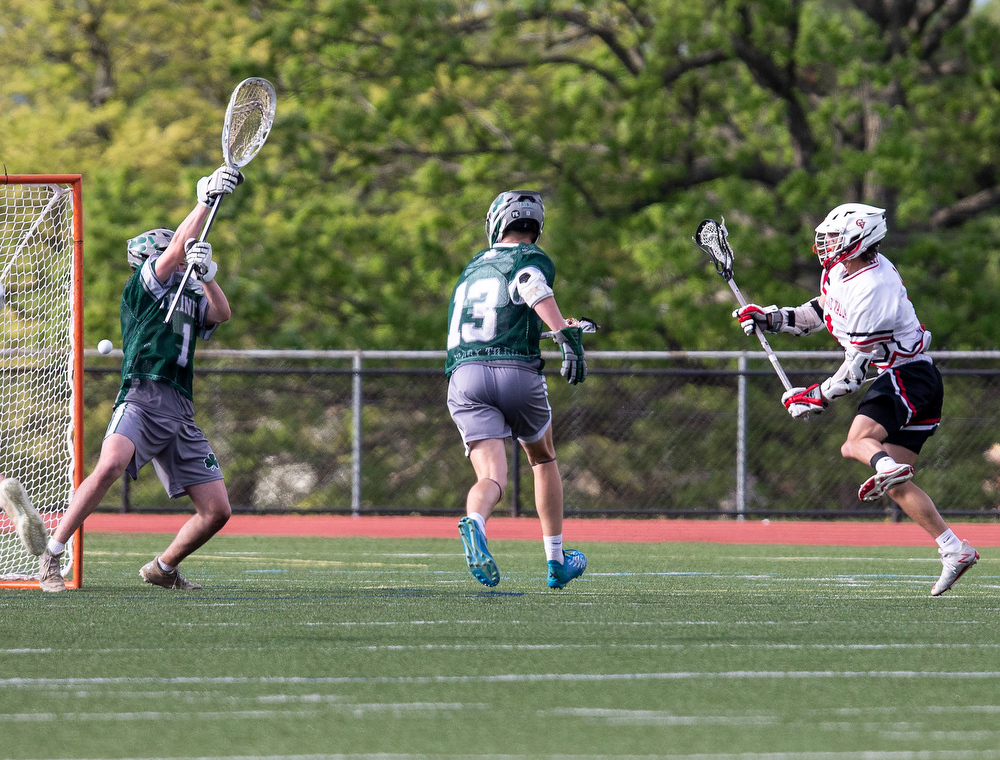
(108, 471)
(494, 485)
(218, 514)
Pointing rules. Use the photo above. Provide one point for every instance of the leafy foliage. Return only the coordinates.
(399, 121)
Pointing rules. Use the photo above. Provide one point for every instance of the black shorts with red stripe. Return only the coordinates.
(906, 401)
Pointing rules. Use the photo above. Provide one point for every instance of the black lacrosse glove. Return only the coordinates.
(574, 365)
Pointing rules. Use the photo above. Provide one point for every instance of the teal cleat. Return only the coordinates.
(573, 565)
(481, 563)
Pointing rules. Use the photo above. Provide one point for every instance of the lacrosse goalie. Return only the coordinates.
(153, 418)
(864, 305)
(496, 388)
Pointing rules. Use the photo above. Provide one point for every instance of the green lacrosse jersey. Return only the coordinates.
(152, 349)
(487, 318)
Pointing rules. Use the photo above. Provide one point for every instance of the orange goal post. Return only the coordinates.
(41, 358)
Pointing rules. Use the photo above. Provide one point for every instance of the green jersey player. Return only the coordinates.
(496, 388)
(153, 418)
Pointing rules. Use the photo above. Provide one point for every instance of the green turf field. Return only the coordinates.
(387, 648)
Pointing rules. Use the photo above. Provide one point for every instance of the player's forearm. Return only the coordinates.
(548, 310)
(173, 257)
(218, 305)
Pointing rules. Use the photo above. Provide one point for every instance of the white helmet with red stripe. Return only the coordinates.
(847, 232)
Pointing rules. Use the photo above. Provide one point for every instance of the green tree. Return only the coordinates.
(639, 118)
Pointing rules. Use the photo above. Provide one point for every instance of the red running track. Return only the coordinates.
(574, 529)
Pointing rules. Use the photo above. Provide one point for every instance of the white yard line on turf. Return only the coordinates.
(927, 754)
(14, 683)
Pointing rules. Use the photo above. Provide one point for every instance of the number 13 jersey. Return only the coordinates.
(487, 318)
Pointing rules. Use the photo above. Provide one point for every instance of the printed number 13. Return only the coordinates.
(481, 298)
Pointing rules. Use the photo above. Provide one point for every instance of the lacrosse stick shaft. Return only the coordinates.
(190, 268)
(772, 357)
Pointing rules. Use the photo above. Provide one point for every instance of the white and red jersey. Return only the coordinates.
(869, 311)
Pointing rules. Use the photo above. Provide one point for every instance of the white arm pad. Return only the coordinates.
(849, 377)
(802, 320)
(531, 287)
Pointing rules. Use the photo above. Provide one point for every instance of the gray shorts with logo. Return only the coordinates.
(497, 400)
(159, 420)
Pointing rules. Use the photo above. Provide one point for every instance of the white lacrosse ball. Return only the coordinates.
(105, 346)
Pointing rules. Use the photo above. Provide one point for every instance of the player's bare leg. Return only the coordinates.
(865, 441)
(212, 512)
(564, 565)
(116, 453)
(489, 460)
(548, 483)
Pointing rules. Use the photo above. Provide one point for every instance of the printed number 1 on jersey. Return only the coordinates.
(479, 298)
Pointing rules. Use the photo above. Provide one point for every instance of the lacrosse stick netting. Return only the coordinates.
(713, 238)
(248, 121)
(249, 117)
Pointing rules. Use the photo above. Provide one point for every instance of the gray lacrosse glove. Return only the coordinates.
(220, 182)
(198, 256)
(574, 365)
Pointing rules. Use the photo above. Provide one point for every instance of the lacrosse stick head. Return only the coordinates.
(586, 324)
(713, 238)
(248, 121)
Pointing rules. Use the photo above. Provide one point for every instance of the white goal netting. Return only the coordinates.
(38, 345)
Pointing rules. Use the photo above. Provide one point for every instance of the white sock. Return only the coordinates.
(479, 520)
(553, 548)
(949, 542)
(55, 547)
(164, 566)
(886, 463)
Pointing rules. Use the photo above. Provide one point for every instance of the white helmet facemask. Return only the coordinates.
(847, 232)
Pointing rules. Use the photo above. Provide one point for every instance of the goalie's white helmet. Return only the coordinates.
(847, 232)
(145, 245)
(515, 207)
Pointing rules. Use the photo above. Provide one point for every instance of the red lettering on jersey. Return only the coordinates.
(836, 307)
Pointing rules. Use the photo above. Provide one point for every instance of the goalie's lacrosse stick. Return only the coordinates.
(248, 122)
(585, 324)
(713, 239)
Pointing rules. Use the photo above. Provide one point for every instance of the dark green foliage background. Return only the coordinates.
(399, 122)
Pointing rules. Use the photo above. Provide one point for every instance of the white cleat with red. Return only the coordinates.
(955, 565)
(876, 486)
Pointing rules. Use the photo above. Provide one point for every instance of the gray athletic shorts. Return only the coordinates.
(497, 400)
(159, 420)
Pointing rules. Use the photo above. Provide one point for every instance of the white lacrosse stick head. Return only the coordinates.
(712, 238)
(249, 117)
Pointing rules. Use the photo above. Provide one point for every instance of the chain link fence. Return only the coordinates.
(675, 434)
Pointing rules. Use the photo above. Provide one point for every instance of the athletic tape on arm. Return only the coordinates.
(849, 377)
(804, 319)
(530, 287)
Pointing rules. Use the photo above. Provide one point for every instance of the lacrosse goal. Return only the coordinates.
(41, 358)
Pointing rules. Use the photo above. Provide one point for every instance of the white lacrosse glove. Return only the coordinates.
(767, 318)
(801, 401)
(220, 182)
(574, 365)
(198, 256)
